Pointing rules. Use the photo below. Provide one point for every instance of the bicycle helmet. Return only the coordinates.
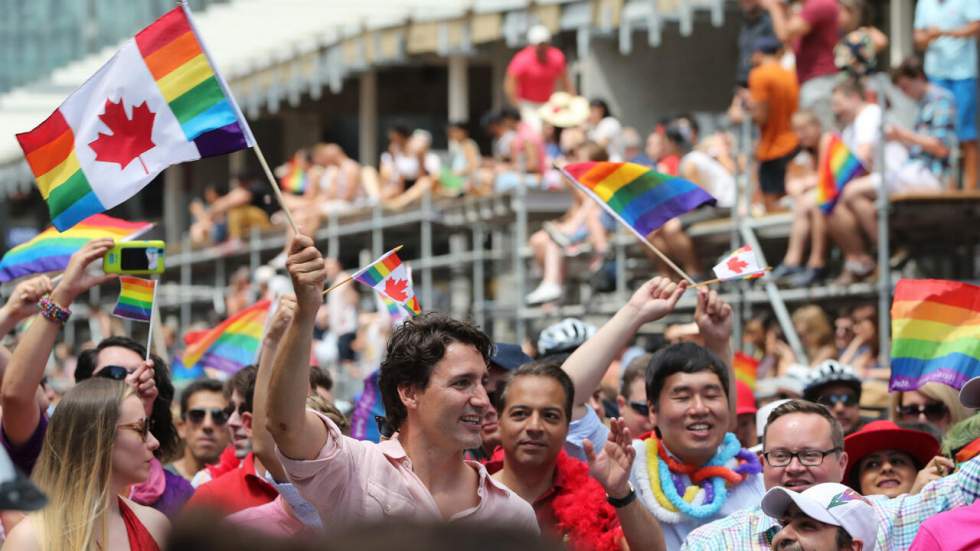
(564, 336)
(830, 372)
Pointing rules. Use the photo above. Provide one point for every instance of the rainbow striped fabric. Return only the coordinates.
(745, 367)
(51, 250)
(643, 199)
(367, 406)
(837, 166)
(935, 333)
(231, 345)
(295, 180)
(158, 101)
(182, 375)
(389, 277)
(135, 298)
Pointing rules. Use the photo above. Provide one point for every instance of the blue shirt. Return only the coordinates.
(588, 427)
(948, 57)
(936, 118)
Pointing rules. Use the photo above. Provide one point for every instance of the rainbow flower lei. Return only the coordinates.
(663, 490)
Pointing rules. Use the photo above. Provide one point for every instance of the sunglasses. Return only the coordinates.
(934, 412)
(641, 408)
(831, 400)
(142, 427)
(114, 372)
(218, 416)
(232, 408)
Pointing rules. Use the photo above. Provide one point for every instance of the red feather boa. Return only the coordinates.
(582, 513)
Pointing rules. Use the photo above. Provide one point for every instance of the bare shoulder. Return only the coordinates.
(156, 522)
(23, 537)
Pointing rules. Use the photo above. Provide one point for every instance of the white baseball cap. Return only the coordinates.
(538, 34)
(970, 393)
(829, 503)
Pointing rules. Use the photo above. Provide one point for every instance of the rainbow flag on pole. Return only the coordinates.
(640, 198)
(136, 296)
(231, 345)
(50, 250)
(935, 333)
(836, 167)
(159, 101)
(389, 277)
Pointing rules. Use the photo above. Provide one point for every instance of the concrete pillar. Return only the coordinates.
(368, 118)
(459, 87)
(175, 201)
(901, 15)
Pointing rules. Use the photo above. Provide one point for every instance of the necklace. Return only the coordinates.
(665, 493)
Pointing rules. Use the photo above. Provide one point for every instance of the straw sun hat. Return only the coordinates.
(564, 110)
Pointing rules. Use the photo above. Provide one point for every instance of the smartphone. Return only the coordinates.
(135, 257)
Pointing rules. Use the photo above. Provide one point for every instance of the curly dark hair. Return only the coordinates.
(161, 420)
(413, 351)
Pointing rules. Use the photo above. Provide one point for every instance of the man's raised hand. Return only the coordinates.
(656, 298)
(714, 319)
(22, 303)
(307, 271)
(612, 467)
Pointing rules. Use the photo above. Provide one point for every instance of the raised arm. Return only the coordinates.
(298, 434)
(262, 443)
(20, 412)
(654, 300)
(21, 305)
(714, 318)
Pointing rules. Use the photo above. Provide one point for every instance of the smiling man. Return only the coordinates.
(432, 383)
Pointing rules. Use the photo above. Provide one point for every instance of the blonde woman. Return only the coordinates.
(98, 444)
(933, 403)
(813, 327)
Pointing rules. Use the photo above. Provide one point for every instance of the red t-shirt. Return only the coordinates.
(536, 80)
(235, 491)
(815, 50)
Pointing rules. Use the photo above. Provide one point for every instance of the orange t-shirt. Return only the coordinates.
(776, 86)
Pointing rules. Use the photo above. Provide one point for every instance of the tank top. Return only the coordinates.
(140, 538)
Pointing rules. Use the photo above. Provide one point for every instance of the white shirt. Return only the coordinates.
(865, 129)
(712, 177)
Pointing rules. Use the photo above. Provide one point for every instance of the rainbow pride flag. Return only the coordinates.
(295, 180)
(745, 367)
(935, 333)
(158, 102)
(836, 167)
(135, 298)
(231, 345)
(389, 277)
(182, 375)
(642, 199)
(367, 405)
(50, 250)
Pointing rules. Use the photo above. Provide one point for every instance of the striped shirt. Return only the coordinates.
(898, 519)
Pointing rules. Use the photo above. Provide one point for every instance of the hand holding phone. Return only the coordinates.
(135, 257)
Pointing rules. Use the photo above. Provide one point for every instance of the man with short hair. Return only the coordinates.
(506, 359)
(534, 73)
(689, 390)
(632, 399)
(803, 446)
(825, 517)
(203, 427)
(837, 387)
(569, 496)
(432, 385)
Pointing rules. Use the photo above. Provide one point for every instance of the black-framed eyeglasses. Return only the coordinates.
(934, 412)
(142, 427)
(114, 372)
(218, 416)
(809, 458)
(845, 398)
(641, 408)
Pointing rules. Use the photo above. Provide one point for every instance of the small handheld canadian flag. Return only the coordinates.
(741, 264)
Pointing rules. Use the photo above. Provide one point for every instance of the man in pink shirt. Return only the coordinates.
(533, 73)
(812, 32)
(432, 384)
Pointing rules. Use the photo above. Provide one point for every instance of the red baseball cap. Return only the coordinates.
(745, 399)
(886, 435)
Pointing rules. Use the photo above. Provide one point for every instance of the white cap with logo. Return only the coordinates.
(829, 503)
(538, 34)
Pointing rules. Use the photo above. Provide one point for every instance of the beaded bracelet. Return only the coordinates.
(52, 311)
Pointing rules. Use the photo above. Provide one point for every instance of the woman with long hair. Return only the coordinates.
(98, 444)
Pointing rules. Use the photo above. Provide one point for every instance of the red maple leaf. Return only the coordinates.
(396, 289)
(130, 138)
(736, 264)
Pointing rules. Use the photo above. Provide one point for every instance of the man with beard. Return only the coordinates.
(690, 470)
(591, 506)
(432, 383)
(826, 517)
(803, 446)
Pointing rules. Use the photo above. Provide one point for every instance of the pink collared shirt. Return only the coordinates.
(356, 481)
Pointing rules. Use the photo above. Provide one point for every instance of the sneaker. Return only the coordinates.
(546, 292)
(783, 271)
(806, 277)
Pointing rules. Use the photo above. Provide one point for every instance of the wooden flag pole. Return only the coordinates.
(275, 187)
(359, 272)
(153, 312)
(616, 215)
(718, 280)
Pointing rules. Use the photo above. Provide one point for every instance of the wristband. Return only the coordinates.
(52, 312)
(620, 502)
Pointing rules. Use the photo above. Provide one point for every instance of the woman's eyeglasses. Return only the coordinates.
(142, 427)
(114, 372)
(218, 416)
(934, 412)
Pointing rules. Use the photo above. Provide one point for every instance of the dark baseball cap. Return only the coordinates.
(508, 356)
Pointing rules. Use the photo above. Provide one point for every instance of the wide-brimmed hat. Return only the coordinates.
(886, 435)
(564, 110)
